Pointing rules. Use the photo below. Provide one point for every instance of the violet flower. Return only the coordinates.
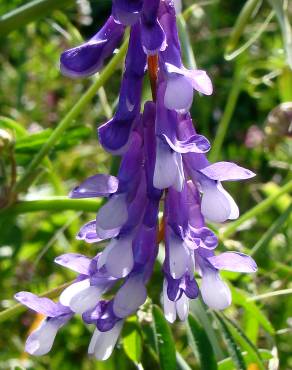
(161, 154)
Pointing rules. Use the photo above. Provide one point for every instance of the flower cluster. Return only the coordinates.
(163, 163)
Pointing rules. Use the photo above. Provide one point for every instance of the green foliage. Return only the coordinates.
(48, 145)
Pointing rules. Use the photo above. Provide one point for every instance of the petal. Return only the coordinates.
(45, 306)
(179, 93)
(41, 340)
(74, 261)
(168, 305)
(178, 257)
(180, 178)
(182, 307)
(88, 233)
(102, 343)
(113, 214)
(119, 259)
(86, 299)
(215, 292)
(233, 261)
(127, 12)
(166, 171)
(130, 297)
(234, 211)
(96, 186)
(153, 38)
(115, 136)
(200, 81)
(194, 144)
(88, 58)
(226, 171)
(72, 290)
(215, 205)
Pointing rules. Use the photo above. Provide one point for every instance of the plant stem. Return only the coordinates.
(226, 117)
(276, 293)
(265, 239)
(19, 308)
(255, 211)
(29, 174)
(53, 204)
(27, 13)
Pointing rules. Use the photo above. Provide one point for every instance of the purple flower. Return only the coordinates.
(88, 58)
(164, 160)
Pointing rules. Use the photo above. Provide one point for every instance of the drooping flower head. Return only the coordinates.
(163, 162)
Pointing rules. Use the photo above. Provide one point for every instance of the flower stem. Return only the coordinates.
(53, 204)
(29, 175)
(255, 211)
(153, 72)
(226, 118)
(28, 13)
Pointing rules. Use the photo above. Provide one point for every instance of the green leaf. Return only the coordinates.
(15, 127)
(231, 345)
(28, 13)
(132, 341)
(164, 340)
(227, 363)
(241, 299)
(200, 344)
(245, 343)
(240, 24)
(199, 311)
(181, 362)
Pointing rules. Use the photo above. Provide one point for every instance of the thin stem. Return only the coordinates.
(270, 294)
(52, 204)
(19, 308)
(226, 118)
(29, 174)
(265, 239)
(27, 13)
(255, 211)
(153, 72)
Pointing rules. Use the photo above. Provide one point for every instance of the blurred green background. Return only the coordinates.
(246, 49)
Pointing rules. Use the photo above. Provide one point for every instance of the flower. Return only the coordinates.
(163, 159)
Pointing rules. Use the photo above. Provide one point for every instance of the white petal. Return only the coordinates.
(103, 257)
(215, 292)
(72, 290)
(169, 306)
(215, 205)
(182, 307)
(200, 81)
(178, 93)
(120, 260)
(177, 6)
(130, 297)
(178, 257)
(114, 213)
(102, 343)
(41, 340)
(165, 171)
(179, 179)
(86, 299)
(234, 211)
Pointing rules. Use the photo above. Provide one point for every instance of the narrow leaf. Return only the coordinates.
(200, 344)
(164, 340)
(245, 343)
(240, 298)
(227, 363)
(132, 341)
(231, 345)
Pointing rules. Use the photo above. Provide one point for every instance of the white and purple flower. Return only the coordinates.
(162, 154)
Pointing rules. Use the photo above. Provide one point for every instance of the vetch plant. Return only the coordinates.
(164, 164)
